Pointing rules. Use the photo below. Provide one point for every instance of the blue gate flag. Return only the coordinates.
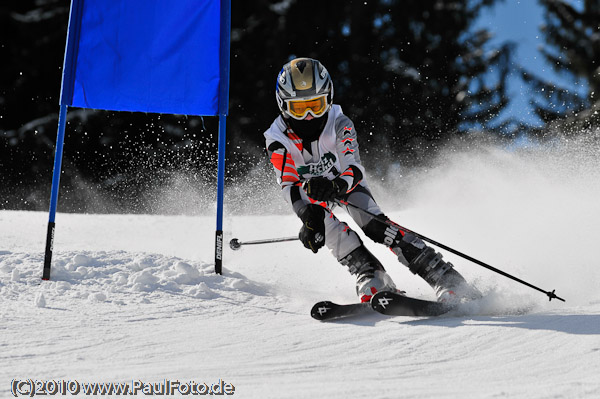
(160, 56)
(157, 56)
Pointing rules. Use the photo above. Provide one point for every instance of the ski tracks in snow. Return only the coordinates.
(116, 315)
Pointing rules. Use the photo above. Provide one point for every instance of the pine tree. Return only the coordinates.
(410, 73)
(431, 78)
(572, 38)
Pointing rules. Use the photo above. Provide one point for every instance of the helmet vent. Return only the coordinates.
(301, 65)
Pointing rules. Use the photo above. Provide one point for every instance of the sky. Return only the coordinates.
(520, 21)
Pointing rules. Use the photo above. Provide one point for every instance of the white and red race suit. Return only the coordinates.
(334, 154)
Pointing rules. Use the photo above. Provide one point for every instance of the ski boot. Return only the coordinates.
(371, 277)
(448, 284)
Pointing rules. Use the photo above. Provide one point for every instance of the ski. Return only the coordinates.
(326, 310)
(393, 304)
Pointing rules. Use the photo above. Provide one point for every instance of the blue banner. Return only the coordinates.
(161, 56)
(157, 56)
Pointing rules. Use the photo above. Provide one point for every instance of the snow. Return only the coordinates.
(134, 297)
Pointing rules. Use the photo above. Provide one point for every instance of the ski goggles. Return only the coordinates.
(298, 109)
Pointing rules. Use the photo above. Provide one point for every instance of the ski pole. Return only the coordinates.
(235, 244)
(551, 295)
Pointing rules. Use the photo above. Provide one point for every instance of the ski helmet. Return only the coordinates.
(304, 86)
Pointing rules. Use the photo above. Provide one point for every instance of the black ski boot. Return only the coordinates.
(448, 284)
(371, 277)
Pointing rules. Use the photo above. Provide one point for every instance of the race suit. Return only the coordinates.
(334, 154)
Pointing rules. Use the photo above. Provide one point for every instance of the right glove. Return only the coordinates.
(322, 189)
(312, 233)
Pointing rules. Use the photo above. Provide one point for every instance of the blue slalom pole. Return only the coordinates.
(66, 98)
(58, 155)
(225, 34)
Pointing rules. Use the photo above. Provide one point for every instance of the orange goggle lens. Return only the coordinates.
(299, 108)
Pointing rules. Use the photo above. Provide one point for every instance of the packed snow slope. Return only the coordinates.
(134, 297)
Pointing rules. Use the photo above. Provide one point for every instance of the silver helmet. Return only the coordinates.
(304, 87)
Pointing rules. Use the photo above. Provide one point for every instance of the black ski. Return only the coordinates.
(393, 304)
(326, 310)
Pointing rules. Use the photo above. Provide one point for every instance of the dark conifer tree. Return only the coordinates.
(572, 36)
(411, 74)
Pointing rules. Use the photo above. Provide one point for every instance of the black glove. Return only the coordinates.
(312, 233)
(323, 189)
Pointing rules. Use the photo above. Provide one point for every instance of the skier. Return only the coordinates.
(314, 150)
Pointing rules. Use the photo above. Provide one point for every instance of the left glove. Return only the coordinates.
(322, 189)
(312, 233)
